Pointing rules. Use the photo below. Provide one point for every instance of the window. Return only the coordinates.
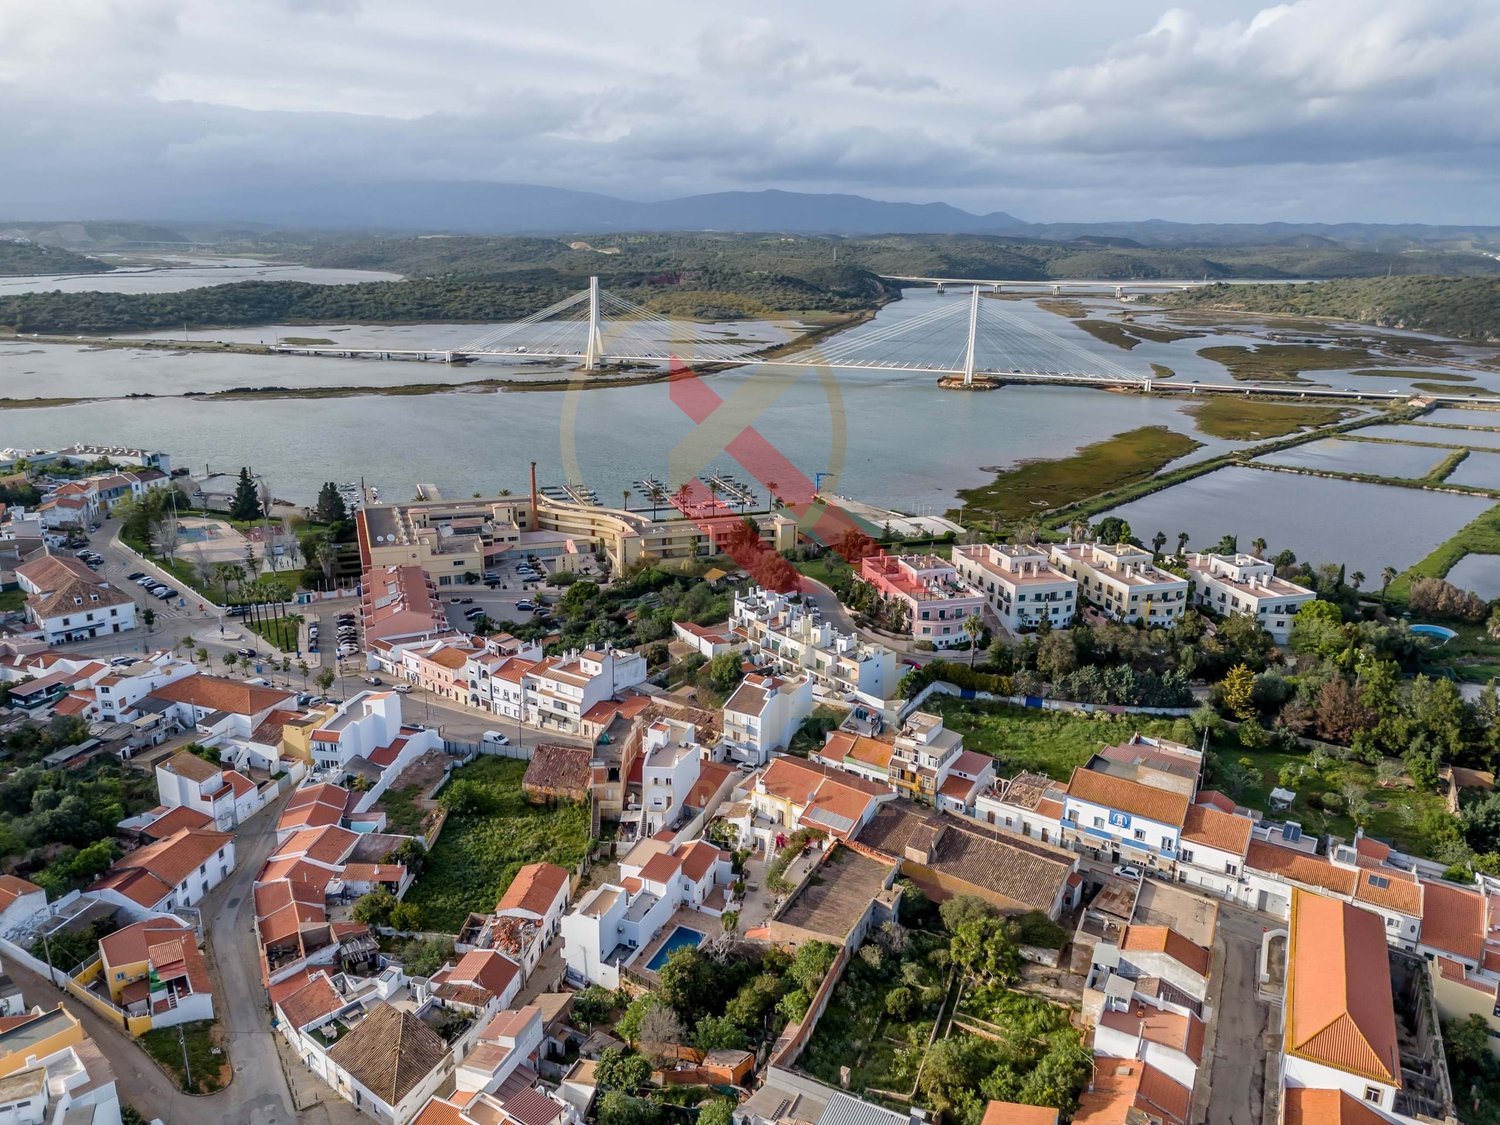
(1166, 843)
(1372, 1094)
(1098, 822)
(1231, 869)
(1379, 882)
(1186, 855)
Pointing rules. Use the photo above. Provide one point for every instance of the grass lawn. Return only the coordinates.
(1047, 742)
(1395, 813)
(1271, 363)
(210, 1071)
(1239, 419)
(1034, 487)
(823, 569)
(402, 812)
(478, 854)
(12, 600)
(281, 632)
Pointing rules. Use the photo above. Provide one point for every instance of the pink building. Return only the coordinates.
(937, 602)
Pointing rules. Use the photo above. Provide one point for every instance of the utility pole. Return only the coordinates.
(187, 1070)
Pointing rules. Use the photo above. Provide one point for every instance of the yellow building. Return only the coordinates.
(42, 1035)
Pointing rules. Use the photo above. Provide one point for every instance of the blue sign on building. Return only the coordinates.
(1119, 819)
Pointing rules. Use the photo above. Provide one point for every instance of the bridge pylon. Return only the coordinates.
(973, 332)
(593, 349)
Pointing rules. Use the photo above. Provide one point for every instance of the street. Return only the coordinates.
(1240, 1021)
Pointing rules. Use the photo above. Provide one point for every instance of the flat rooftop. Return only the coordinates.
(834, 900)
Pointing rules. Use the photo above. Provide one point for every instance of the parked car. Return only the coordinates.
(245, 651)
(492, 583)
(1126, 871)
(402, 689)
(166, 593)
(121, 661)
(465, 601)
(474, 614)
(137, 576)
(374, 681)
(455, 599)
(540, 611)
(525, 605)
(158, 589)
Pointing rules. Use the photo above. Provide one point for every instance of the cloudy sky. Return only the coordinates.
(1221, 110)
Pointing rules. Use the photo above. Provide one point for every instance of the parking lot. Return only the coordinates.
(513, 599)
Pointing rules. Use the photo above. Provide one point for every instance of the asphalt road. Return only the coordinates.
(259, 1094)
(1240, 1017)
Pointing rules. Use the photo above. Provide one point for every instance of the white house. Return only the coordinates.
(170, 873)
(559, 691)
(1122, 582)
(1020, 586)
(481, 982)
(21, 901)
(120, 691)
(1029, 803)
(227, 796)
(529, 913)
(1245, 584)
(389, 1065)
(1212, 853)
(764, 714)
(68, 602)
(1172, 1042)
(1128, 820)
(706, 640)
(671, 758)
(612, 922)
(790, 639)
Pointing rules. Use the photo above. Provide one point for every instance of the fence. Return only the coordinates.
(1034, 702)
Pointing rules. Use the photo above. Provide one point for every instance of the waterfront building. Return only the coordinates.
(936, 603)
(1021, 587)
(1245, 584)
(786, 637)
(1122, 582)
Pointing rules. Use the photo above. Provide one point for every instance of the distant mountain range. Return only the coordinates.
(491, 208)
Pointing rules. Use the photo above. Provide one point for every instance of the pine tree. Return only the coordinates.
(246, 502)
(331, 507)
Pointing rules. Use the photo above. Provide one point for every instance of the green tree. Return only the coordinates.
(246, 502)
(330, 507)
(973, 629)
(1237, 690)
(621, 1070)
(713, 1033)
(1112, 530)
(593, 1004)
(717, 1112)
(325, 680)
(148, 618)
(374, 909)
(723, 672)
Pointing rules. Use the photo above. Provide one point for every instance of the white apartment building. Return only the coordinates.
(118, 692)
(786, 637)
(1020, 586)
(669, 770)
(559, 691)
(1122, 582)
(1129, 820)
(764, 714)
(1245, 584)
(227, 797)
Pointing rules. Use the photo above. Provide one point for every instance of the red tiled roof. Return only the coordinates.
(1161, 805)
(314, 1000)
(218, 694)
(1164, 939)
(176, 819)
(1339, 1010)
(1299, 867)
(1453, 919)
(1214, 828)
(534, 889)
(1306, 1106)
(13, 887)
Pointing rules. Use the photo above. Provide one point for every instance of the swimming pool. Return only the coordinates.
(1437, 632)
(680, 937)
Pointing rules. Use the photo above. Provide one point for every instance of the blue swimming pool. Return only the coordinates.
(1442, 635)
(681, 936)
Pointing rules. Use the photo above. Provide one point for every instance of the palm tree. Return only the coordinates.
(973, 627)
(1356, 579)
(201, 656)
(504, 492)
(1182, 542)
(713, 494)
(1078, 529)
(684, 494)
(771, 487)
(1258, 547)
(1158, 541)
(626, 493)
(658, 496)
(304, 669)
(1387, 576)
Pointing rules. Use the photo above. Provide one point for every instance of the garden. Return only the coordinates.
(491, 832)
(928, 1014)
(202, 1043)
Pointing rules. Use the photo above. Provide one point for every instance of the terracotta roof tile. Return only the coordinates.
(1298, 867)
(218, 694)
(1338, 992)
(1453, 919)
(534, 889)
(1306, 1106)
(314, 1000)
(1391, 889)
(1164, 939)
(1215, 828)
(1161, 805)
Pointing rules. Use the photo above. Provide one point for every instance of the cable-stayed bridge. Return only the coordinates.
(963, 340)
